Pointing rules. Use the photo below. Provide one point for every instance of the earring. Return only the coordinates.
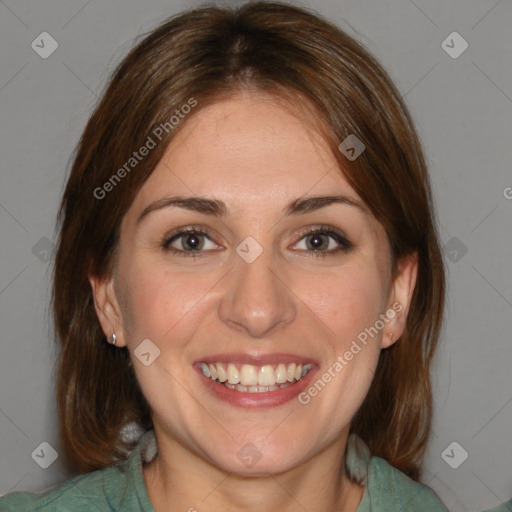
(113, 338)
(391, 336)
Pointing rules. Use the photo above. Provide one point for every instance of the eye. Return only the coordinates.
(190, 242)
(318, 242)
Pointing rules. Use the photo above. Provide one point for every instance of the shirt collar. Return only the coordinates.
(357, 463)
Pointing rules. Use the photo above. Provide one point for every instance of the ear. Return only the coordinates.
(400, 297)
(107, 308)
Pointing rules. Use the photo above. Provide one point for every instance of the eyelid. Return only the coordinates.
(177, 233)
(322, 228)
(335, 233)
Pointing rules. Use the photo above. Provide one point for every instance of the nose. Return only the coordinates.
(257, 298)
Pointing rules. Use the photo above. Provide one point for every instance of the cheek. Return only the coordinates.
(160, 302)
(347, 302)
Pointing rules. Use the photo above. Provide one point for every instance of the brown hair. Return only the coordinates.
(205, 54)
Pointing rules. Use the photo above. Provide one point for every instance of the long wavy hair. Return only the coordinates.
(209, 53)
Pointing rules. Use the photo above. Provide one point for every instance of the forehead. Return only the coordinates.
(247, 150)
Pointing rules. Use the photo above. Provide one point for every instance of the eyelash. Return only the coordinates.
(345, 245)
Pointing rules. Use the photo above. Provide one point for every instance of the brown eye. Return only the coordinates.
(319, 242)
(188, 242)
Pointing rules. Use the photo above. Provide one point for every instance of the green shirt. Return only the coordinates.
(121, 488)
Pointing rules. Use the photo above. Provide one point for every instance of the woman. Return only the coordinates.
(249, 275)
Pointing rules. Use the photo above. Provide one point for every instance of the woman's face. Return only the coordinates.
(256, 298)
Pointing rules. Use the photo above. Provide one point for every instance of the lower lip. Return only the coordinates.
(256, 400)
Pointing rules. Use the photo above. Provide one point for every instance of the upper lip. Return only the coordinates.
(256, 359)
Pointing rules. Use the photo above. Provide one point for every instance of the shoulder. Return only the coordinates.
(117, 487)
(390, 489)
(83, 492)
(97, 491)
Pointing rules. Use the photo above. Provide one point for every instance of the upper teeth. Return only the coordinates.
(249, 375)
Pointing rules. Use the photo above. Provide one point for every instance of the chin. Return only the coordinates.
(252, 458)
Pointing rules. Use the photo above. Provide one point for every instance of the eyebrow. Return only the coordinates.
(218, 208)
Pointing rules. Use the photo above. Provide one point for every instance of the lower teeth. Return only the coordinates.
(255, 389)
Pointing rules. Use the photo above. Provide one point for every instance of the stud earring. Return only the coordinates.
(114, 338)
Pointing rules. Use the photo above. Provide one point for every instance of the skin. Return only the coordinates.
(256, 156)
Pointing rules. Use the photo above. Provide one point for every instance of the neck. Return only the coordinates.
(316, 485)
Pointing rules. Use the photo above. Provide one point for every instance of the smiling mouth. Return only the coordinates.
(248, 378)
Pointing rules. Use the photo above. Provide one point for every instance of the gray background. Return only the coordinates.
(463, 110)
